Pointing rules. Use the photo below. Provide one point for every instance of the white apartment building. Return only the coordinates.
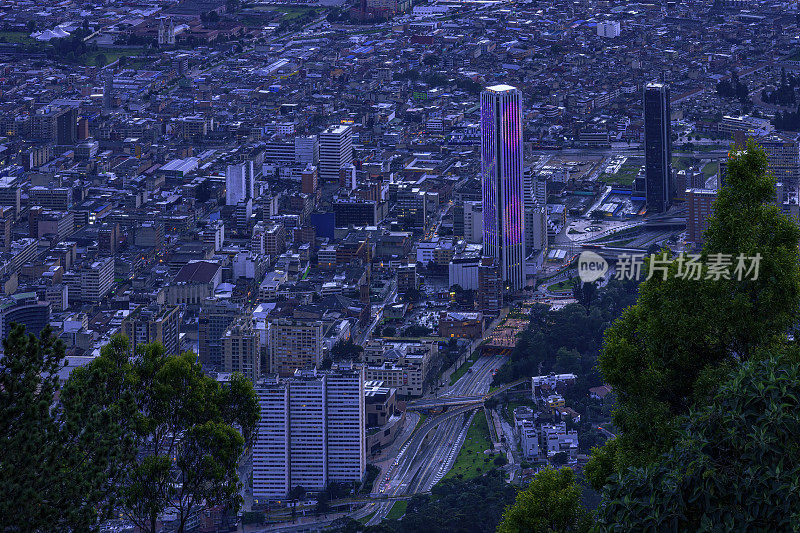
(97, 280)
(347, 458)
(535, 229)
(239, 183)
(306, 150)
(608, 28)
(473, 222)
(311, 432)
(335, 151)
(529, 439)
(558, 439)
(402, 366)
(308, 457)
(214, 235)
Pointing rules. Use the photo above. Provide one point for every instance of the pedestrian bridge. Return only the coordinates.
(446, 401)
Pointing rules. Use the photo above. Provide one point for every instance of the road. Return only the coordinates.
(391, 296)
(433, 448)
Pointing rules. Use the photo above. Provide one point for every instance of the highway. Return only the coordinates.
(432, 449)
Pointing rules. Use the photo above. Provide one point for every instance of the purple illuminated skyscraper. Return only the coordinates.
(501, 178)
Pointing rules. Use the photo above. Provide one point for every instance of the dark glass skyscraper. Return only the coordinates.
(657, 148)
(501, 177)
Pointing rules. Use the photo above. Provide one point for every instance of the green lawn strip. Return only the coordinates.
(626, 173)
(112, 54)
(460, 371)
(367, 518)
(422, 418)
(471, 461)
(563, 285)
(398, 510)
(710, 169)
(19, 37)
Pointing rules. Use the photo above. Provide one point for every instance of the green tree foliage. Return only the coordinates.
(733, 88)
(734, 466)
(459, 506)
(346, 350)
(683, 336)
(142, 435)
(784, 94)
(60, 462)
(189, 441)
(553, 338)
(552, 502)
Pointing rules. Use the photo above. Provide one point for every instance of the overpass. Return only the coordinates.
(610, 253)
(446, 401)
(665, 223)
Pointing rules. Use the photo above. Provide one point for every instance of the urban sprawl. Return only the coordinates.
(365, 208)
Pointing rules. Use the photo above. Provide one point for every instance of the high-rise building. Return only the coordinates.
(51, 197)
(293, 345)
(215, 317)
(407, 278)
(335, 152)
(535, 189)
(94, 281)
(306, 150)
(535, 229)
(701, 207)
(240, 349)
(308, 180)
(473, 222)
(83, 128)
(108, 91)
(490, 287)
(214, 235)
(657, 148)
(412, 207)
(153, 324)
(67, 127)
(501, 171)
(25, 309)
(783, 156)
(311, 432)
(239, 183)
(10, 194)
(344, 405)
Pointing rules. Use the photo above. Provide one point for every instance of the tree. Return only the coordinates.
(552, 502)
(417, 330)
(412, 295)
(297, 493)
(584, 292)
(560, 459)
(567, 361)
(101, 60)
(60, 461)
(323, 505)
(456, 505)
(189, 444)
(346, 350)
(734, 462)
(676, 345)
